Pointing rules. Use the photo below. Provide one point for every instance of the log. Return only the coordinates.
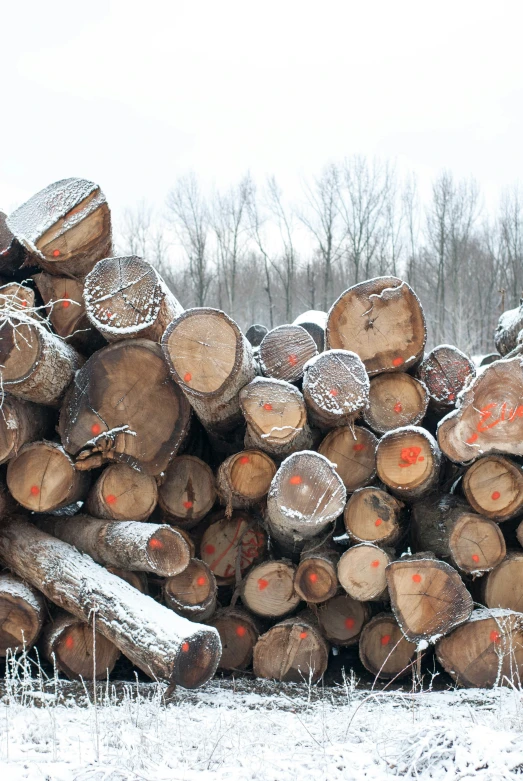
(11, 251)
(445, 525)
(352, 450)
(276, 418)
(14, 296)
(314, 321)
(395, 400)
(305, 498)
(230, 546)
(361, 572)
(121, 493)
(77, 650)
(486, 651)
(36, 365)
(316, 577)
(238, 635)
(384, 651)
(111, 412)
(382, 321)
(268, 589)
(20, 422)
(255, 333)
(137, 580)
(503, 587)
(427, 597)
(335, 389)
(293, 651)
(490, 416)
(408, 461)
(493, 486)
(284, 351)
(42, 478)
(244, 479)
(146, 547)
(372, 515)
(126, 298)
(342, 619)
(22, 613)
(490, 358)
(192, 593)
(187, 491)
(445, 371)
(165, 646)
(211, 361)
(509, 327)
(66, 227)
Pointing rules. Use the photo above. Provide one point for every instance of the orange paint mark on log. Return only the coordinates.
(495, 495)
(96, 428)
(295, 480)
(69, 642)
(416, 578)
(398, 361)
(56, 253)
(201, 581)
(209, 549)
(185, 647)
(475, 558)
(472, 439)
(262, 584)
(349, 623)
(333, 392)
(244, 460)
(375, 563)
(35, 490)
(378, 521)
(187, 505)
(409, 456)
(385, 640)
(187, 377)
(359, 447)
(155, 544)
(451, 396)
(421, 458)
(241, 631)
(313, 577)
(267, 407)
(293, 360)
(495, 637)
(303, 635)
(111, 499)
(24, 303)
(398, 408)
(66, 304)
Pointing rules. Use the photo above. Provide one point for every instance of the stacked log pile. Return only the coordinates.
(196, 498)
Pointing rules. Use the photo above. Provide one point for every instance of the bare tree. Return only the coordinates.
(511, 230)
(230, 225)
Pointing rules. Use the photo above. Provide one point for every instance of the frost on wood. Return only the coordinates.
(445, 371)
(509, 327)
(284, 351)
(22, 613)
(335, 388)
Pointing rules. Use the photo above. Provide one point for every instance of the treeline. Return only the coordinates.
(262, 258)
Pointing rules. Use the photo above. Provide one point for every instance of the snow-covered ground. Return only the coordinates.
(248, 730)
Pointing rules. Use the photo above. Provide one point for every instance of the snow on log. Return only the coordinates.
(382, 321)
(384, 651)
(255, 333)
(314, 322)
(293, 651)
(230, 546)
(20, 422)
(445, 371)
(503, 587)
(335, 388)
(65, 227)
(244, 479)
(162, 644)
(284, 351)
(316, 578)
(187, 491)
(137, 580)
(22, 613)
(342, 619)
(395, 400)
(361, 572)
(372, 515)
(238, 634)
(121, 493)
(510, 325)
(352, 450)
(77, 649)
(192, 593)
(268, 589)
(493, 486)
(408, 461)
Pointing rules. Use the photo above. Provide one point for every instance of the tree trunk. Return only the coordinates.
(121, 493)
(255, 333)
(187, 491)
(162, 644)
(384, 651)
(314, 323)
(238, 634)
(361, 572)
(20, 422)
(66, 227)
(111, 412)
(268, 589)
(335, 389)
(382, 321)
(284, 351)
(22, 613)
(372, 515)
(316, 577)
(445, 371)
(192, 593)
(231, 545)
(503, 587)
(146, 547)
(395, 400)
(352, 450)
(77, 649)
(293, 651)
(408, 461)
(342, 619)
(509, 326)
(244, 479)
(494, 487)
(276, 418)
(211, 361)
(42, 478)
(37, 365)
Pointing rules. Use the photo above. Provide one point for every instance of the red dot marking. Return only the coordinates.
(398, 361)
(185, 647)
(333, 392)
(313, 577)
(262, 584)
(96, 428)
(397, 407)
(472, 439)
(35, 490)
(24, 303)
(451, 396)
(378, 522)
(66, 304)
(358, 447)
(209, 549)
(375, 563)
(303, 635)
(421, 458)
(349, 623)
(111, 499)
(155, 544)
(201, 581)
(385, 640)
(267, 407)
(187, 377)
(240, 631)
(69, 642)
(416, 578)
(56, 253)
(495, 495)
(187, 505)
(475, 558)
(495, 637)
(295, 480)
(293, 360)
(244, 460)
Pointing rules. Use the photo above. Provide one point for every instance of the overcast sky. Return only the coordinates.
(133, 94)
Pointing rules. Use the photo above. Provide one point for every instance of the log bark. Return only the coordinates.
(187, 491)
(427, 597)
(211, 361)
(165, 646)
(372, 515)
(395, 400)
(121, 493)
(382, 321)
(126, 298)
(42, 478)
(65, 227)
(335, 389)
(230, 546)
(276, 418)
(352, 450)
(192, 593)
(493, 486)
(509, 327)
(77, 649)
(111, 412)
(255, 333)
(445, 371)
(408, 461)
(305, 498)
(314, 321)
(361, 572)
(146, 547)
(490, 416)
(137, 580)
(238, 635)
(293, 651)
(20, 422)
(486, 651)
(284, 351)
(268, 589)
(503, 587)
(316, 578)
(384, 651)
(12, 254)
(36, 365)
(342, 619)
(244, 479)
(22, 614)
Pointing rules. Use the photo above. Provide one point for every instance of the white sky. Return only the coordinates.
(133, 94)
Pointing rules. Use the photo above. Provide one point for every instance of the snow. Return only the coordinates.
(227, 732)
(312, 316)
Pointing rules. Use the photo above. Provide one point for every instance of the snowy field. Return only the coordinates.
(243, 730)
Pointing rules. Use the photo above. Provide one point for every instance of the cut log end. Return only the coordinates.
(122, 493)
(230, 546)
(244, 479)
(384, 651)
(284, 351)
(395, 400)
(494, 487)
(342, 619)
(336, 388)
(361, 572)
(22, 611)
(408, 461)
(352, 450)
(293, 651)
(238, 634)
(316, 579)
(187, 491)
(77, 650)
(445, 371)
(268, 589)
(372, 515)
(192, 593)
